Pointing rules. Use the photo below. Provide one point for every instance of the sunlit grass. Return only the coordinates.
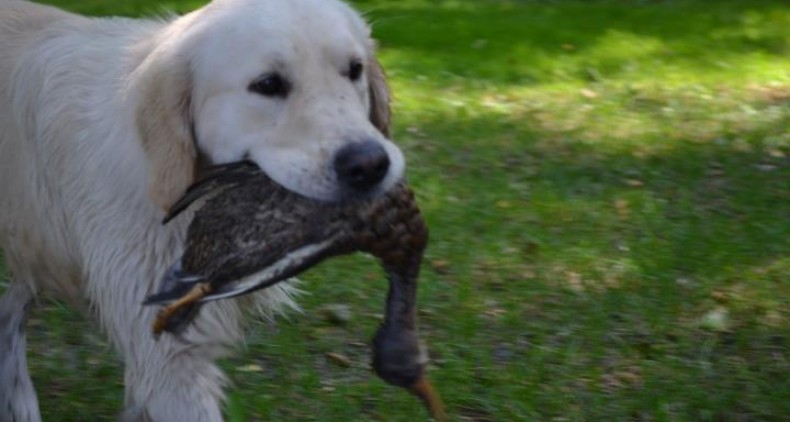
(606, 184)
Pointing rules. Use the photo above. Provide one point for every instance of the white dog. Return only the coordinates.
(103, 125)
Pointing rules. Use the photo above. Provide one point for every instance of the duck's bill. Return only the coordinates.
(433, 402)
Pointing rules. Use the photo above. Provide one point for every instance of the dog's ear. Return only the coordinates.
(164, 121)
(379, 97)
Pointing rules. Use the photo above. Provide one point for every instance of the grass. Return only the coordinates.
(607, 185)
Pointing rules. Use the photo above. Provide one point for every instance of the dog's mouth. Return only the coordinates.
(325, 187)
(367, 167)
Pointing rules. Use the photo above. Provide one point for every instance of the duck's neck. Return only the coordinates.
(401, 312)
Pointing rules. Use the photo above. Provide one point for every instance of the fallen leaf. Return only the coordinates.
(441, 266)
(575, 281)
(766, 167)
(588, 93)
(336, 313)
(338, 359)
(504, 204)
(720, 296)
(423, 312)
(414, 130)
(621, 205)
(494, 312)
(717, 319)
(253, 367)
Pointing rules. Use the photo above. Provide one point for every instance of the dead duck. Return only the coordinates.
(253, 233)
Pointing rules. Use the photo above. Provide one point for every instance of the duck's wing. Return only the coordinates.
(218, 177)
(182, 293)
(285, 266)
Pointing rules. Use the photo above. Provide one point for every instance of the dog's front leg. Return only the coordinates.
(17, 397)
(186, 388)
(169, 379)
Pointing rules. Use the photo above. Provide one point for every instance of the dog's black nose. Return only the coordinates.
(362, 165)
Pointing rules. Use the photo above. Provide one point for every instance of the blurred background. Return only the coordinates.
(607, 185)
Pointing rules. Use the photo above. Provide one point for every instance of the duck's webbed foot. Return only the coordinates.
(176, 316)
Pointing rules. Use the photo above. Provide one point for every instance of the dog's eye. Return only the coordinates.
(270, 85)
(355, 70)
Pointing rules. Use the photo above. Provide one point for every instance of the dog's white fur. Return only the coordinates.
(103, 125)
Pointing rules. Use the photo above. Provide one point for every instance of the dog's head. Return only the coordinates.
(291, 84)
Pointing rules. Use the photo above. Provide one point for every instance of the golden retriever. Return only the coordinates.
(104, 122)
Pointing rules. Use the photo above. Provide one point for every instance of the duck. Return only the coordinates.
(251, 233)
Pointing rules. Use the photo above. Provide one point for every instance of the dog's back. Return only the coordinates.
(18, 17)
(62, 143)
(22, 25)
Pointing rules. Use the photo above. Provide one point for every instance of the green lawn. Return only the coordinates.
(607, 185)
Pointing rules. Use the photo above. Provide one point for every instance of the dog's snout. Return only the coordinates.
(362, 165)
